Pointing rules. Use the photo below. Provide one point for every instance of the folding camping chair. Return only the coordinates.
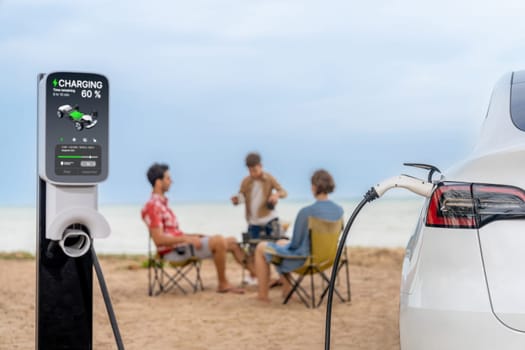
(324, 238)
(161, 280)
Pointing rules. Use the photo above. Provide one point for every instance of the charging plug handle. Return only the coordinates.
(413, 184)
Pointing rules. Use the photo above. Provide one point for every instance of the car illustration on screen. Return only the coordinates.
(81, 120)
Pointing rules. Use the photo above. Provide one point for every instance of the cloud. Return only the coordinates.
(272, 75)
(304, 58)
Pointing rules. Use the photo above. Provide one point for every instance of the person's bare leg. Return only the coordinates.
(218, 247)
(234, 248)
(239, 255)
(262, 271)
(250, 264)
(279, 281)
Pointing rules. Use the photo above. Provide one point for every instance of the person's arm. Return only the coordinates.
(277, 191)
(152, 216)
(300, 230)
(200, 235)
(159, 238)
(239, 197)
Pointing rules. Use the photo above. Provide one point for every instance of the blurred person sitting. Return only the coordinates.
(164, 230)
(299, 245)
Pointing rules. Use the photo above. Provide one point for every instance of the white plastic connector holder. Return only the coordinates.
(97, 225)
(413, 184)
(75, 243)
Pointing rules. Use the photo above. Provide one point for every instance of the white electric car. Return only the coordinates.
(463, 278)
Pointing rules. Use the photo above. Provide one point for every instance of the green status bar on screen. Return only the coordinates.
(69, 157)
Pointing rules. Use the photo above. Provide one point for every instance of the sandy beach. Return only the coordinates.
(208, 320)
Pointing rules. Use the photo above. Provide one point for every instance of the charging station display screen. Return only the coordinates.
(78, 160)
(76, 127)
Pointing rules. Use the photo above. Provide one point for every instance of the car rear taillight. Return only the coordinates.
(462, 205)
(498, 203)
(451, 205)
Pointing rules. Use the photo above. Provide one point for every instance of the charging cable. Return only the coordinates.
(411, 183)
(107, 300)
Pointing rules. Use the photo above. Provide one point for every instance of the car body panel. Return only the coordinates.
(455, 330)
(449, 272)
(494, 168)
(499, 158)
(464, 288)
(504, 264)
(412, 252)
(498, 132)
(448, 306)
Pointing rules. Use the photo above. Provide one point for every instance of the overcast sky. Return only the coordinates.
(356, 87)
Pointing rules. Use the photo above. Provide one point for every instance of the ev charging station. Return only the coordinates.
(73, 137)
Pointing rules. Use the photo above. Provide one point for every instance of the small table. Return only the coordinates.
(248, 245)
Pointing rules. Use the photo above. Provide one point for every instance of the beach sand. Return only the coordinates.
(209, 320)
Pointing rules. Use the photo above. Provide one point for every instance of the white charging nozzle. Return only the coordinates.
(411, 183)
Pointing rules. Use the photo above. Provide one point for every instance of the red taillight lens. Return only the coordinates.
(460, 205)
(495, 202)
(451, 205)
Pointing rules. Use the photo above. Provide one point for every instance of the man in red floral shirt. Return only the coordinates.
(170, 240)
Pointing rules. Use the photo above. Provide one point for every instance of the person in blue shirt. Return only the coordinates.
(323, 208)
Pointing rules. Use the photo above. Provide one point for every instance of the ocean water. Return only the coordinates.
(387, 222)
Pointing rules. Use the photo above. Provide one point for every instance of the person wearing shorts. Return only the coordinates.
(186, 251)
(173, 243)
